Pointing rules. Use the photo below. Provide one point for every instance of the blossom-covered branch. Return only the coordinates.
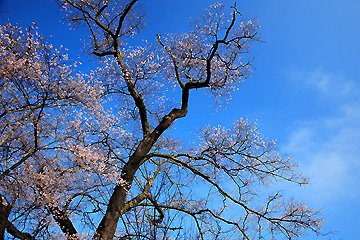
(92, 156)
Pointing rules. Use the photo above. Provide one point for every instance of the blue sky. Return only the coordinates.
(304, 92)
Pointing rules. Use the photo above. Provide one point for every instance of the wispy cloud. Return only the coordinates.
(328, 147)
(329, 152)
(330, 84)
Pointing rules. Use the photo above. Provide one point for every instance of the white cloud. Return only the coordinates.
(329, 153)
(328, 148)
(329, 84)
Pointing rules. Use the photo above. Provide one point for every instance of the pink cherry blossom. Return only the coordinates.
(91, 155)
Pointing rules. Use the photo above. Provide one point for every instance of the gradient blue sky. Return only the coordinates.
(304, 92)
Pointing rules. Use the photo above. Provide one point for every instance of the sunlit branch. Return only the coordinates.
(158, 209)
(134, 202)
(138, 99)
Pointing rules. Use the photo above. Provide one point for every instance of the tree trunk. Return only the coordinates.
(5, 209)
(108, 224)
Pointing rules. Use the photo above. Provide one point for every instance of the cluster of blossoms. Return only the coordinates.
(49, 116)
(91, 149)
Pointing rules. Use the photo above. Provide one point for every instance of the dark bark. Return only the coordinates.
(5, 209)
(11, 229)
(64, 222)
(107, 227)
(5, 224)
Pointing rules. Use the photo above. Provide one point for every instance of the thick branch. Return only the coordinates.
(5, 209)
(11, 229)
(134, 202)
(158, 209)
(123, 15)
(101, 9)
(62, 219)
(139, 102)
(117, 199)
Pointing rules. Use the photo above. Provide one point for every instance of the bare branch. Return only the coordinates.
(174, 61)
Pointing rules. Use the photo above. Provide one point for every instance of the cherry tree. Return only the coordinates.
(90, 155)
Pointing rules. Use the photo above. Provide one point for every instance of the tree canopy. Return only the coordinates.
(87, 155)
